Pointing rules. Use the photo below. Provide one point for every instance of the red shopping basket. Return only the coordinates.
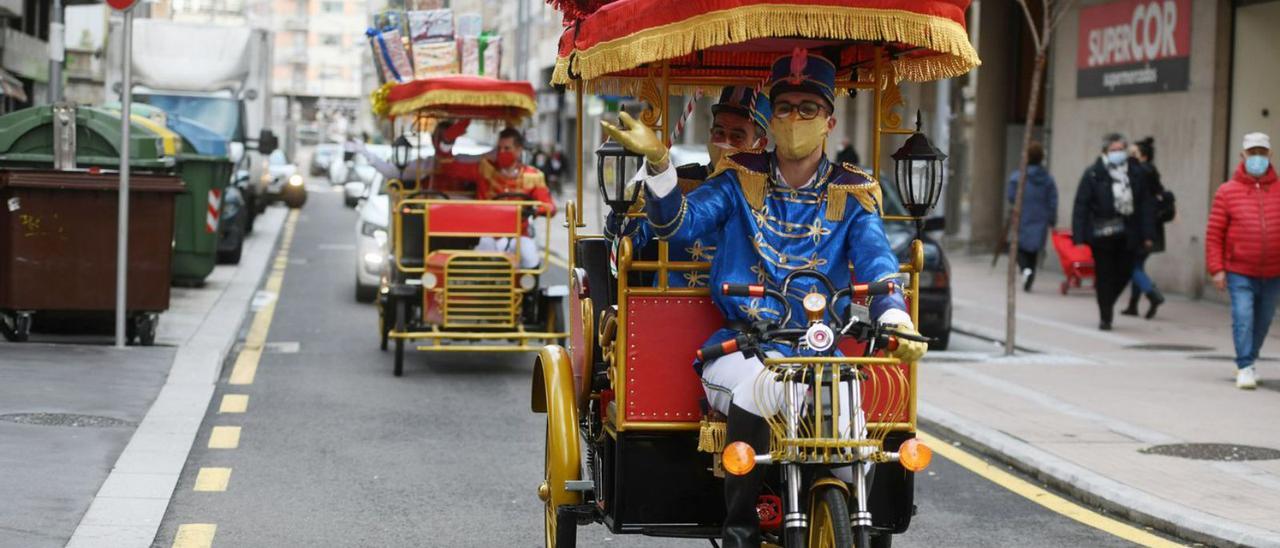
(1077, 260)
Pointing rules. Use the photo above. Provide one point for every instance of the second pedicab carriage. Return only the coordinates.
(628, 443)
(440, 292)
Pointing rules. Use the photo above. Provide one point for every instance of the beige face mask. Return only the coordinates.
(797, 139)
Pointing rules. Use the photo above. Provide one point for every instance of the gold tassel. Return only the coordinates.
(712, 435)
(868, 195)
(955, 54)
(754, 184)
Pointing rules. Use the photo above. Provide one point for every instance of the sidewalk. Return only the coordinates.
(76, 413)
(1078, 410)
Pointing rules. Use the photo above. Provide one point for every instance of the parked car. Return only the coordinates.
(322, 155)
(371, 240)
(935, 280)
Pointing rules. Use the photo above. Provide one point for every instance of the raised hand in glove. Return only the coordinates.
(640, 139)
(909, 350)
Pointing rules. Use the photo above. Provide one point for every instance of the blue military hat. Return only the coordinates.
(745, 101)
(802, 71)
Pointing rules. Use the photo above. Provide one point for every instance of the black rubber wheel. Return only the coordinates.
(566, 529)
(882, 540)
(366, 293)
(21, 330)
(147, 330)
(383, 326)
(829, 519)
(399, 360)
(232, 256)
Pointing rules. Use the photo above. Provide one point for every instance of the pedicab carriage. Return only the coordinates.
(440, 293)
(628, 443)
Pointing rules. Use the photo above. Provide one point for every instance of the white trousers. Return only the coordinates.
(529, 254)
(737, 380)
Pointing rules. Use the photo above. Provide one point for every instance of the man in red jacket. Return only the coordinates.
(1242, 251)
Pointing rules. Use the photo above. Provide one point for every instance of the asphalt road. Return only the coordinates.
(335, 451)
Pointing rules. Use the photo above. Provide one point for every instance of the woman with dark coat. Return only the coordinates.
(1113, 214)
(1039, 211)
(1145, 152)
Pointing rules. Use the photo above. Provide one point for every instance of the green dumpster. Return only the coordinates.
(205, 168)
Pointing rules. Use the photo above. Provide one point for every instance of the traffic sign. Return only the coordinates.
(121, 5)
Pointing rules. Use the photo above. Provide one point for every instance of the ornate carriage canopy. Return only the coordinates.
(461, 96)
(606, 43)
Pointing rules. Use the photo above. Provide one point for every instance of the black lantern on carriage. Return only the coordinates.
(401, 149)
(918, 171)
(615, 166)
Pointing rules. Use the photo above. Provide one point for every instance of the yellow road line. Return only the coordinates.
(194, 535)
(246, 366)
(1041, 496)
(234, 403)
(213, 479)
(224, 437)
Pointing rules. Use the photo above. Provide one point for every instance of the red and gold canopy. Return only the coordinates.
(461, 96)
(739, 39)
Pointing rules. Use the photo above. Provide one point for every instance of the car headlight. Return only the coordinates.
(296, 180)
(528, 281)
(373, 258)
(429, 280)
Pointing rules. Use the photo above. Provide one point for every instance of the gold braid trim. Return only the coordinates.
(754, 184)
(955, 54)
(868, 195)
(450, 97)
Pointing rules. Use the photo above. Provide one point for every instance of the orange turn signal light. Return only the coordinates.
(914, 455)
(738, 458)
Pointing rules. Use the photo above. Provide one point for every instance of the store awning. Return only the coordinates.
(11, 87)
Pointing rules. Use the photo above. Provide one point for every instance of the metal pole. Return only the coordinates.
(122, 220)
(56, 52)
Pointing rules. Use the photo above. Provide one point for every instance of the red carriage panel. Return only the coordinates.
(473, 218)
(663, 337)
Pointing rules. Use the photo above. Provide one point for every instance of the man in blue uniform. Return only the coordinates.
(776, 212)
(740, 121)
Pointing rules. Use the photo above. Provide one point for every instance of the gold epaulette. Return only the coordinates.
(754, 183)
(867, 193)
(532, 179)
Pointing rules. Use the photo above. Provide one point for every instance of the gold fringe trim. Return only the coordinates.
(450, 97)
(868, 195)
(956, 55)
(712, 435)
(754, 184)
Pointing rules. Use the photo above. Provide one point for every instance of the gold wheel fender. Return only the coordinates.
(824, 529)
(562, 463)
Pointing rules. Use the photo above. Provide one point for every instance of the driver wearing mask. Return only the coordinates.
(776, 212)
(740, 122)
(497, 176)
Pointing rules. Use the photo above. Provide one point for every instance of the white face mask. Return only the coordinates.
(720, 150)
(1117, 157)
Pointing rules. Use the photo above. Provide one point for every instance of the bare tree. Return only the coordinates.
(1051, 13)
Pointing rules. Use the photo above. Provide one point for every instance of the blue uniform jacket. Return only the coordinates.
(641, 233)
(767, 230)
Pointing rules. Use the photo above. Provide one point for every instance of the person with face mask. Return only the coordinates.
(494, 175)
(1242, 251)
(775, 212)
(1113, 214)
(740, 120)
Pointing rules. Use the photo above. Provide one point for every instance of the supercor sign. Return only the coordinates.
(1134, 46)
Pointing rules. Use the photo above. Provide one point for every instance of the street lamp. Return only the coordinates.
(918, 171)
(615, 165)
(400, 150)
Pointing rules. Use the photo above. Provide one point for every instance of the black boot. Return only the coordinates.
(1156, 299)
(741, 522)
(1134, 297)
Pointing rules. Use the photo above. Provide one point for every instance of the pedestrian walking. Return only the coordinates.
(1240, 242)
(1163, 201)
(1113, 215)
(1039, 211)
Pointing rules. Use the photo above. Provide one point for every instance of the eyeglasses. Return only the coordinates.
(807, 110)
